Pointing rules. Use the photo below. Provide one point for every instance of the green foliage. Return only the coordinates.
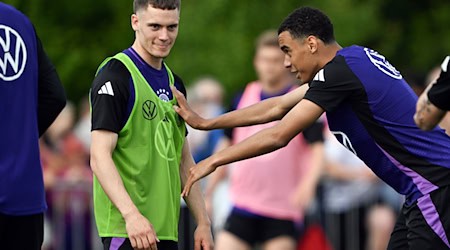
(217, 37)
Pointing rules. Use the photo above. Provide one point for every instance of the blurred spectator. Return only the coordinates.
(266, 212)
(350, 191)
(68, 182)
(82, 128)
(205, 97)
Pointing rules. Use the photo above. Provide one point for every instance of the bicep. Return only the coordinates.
(298, 119)
(290, 99)
(103, 142)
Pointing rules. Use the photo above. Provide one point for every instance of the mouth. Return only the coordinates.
(162, 47)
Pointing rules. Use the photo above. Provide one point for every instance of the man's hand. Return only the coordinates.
(197, 172)
(203, 238)
(183, 109)
(140, 231)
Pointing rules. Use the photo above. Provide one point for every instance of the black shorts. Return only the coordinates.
(258, 229)
(21, 232)
(110, 243)
(425, 224)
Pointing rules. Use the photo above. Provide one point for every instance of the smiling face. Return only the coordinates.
(156, 31)
(300, 55)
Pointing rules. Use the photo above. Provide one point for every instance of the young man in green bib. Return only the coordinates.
(139, 154)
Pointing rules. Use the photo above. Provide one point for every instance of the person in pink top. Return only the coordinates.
(265, 212)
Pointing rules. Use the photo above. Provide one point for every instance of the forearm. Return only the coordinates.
(106, 172)
(194, 200)
(262, 112)
(263, 142)
(427, 115)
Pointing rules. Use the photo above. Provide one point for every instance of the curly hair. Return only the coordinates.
(159, 4)
(306, 21)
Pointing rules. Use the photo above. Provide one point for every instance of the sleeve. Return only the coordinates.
(51, 96)
(109, 95)
(332, 85)
(440, 91)
(314, 133)
(179, 84)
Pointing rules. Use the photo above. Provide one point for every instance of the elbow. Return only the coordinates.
(279, 141)
(424, 124)
(94, 164)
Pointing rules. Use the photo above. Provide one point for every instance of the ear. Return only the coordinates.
(313, 43)
(134, 22)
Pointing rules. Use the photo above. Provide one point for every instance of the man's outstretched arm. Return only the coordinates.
(263, 142)
(427, 115)
(265, 111)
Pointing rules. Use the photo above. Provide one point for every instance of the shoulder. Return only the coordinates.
(179, 84)
(113, 71)
(335, 71)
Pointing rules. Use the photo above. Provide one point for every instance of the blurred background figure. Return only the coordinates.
(82, 129)
(205, 96)
(267, 213)
(359, 211)
(68, 183)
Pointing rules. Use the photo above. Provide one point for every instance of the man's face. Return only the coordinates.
(298, 58)
(269, 64)
(156, 30)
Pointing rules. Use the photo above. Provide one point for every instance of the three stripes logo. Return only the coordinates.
(106, 89)
(320, 76)
(13, 54)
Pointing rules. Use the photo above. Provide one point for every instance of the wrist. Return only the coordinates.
(130, 212)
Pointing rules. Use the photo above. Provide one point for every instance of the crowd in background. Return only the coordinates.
(353, 209)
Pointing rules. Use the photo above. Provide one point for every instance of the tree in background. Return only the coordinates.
(216, 37)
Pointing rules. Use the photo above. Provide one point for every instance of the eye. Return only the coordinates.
(154, 26)
(172, 27)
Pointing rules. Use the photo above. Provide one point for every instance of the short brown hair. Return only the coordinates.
(267, 38)
(159, 4)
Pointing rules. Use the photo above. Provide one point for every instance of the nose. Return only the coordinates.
(163, 34)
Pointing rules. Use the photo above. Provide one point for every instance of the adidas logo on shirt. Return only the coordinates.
(106, 89)
(320, 76)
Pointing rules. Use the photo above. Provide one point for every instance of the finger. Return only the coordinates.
(197, 245)
(178, 95)
(133, 242)
(186, 189)
(139, 243)
(206, 246)
(146, 241)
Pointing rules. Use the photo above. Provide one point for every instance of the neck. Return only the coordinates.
(155, 62)
(329, 53)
